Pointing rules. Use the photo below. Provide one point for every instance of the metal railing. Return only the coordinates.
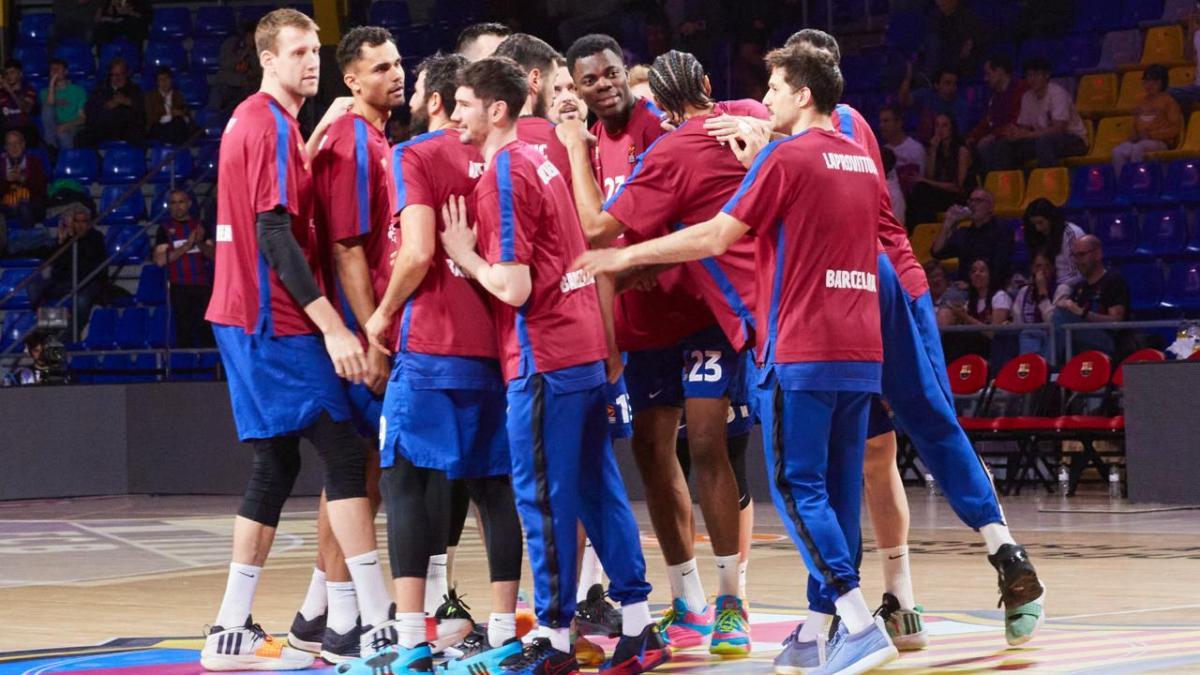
(1062, 332)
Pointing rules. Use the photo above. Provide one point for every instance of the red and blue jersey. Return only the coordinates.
(447, 314)
(193, 268)
(682, 179)
(539, 132)
(263, 167)
(663, 316)
(893, 237)
(812, 203)
(525, 215)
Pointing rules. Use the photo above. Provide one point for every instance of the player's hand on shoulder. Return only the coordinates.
(601, 261)
(347, 355)
(459, 237)
(573, 132)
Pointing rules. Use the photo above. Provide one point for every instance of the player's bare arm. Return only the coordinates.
(417, 226)
(340, 106)
(510, 282)
(354, 273)
(710, 238)
(599, 227)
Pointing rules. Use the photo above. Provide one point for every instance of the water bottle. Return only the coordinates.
(1114, 483)
(1064, 481)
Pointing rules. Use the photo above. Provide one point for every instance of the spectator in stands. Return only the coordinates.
(983, 238)
(947, 171)
(17, 101)
(63, 107)
(1034, 304)
(1005, 104)
(186, 249)
(929, 102)
(938, 282)
(1157, 121)
(75, 223)
(238, 71)
(639, 82)
(1046, 228)
(122, 19)
(910, 154)
(895, 192)
(956, 37)
(986, 304)
(167, 116)
(75, 18)
(23, 183)
(1100, 296)
(1047, 129)
(116, 111)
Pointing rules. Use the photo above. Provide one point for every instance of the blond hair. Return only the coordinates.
(267, 32)
(638, 74)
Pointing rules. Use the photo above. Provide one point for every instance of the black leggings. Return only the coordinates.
(497, 506)
(737, 459)
(418, 521)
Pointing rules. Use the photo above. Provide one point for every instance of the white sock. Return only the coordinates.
(314, 601)
(996, 535)
(501, 628)
(742, 578)
(685, 583)
(450, 565)
(727, 574)
(635, 617)
(590, 571)
(897, 579)
(410, 629)
(560, 638)
(435, 583)
(815, 625)
(343, 606)
(852, 607)
(239, 595)
(373, 597)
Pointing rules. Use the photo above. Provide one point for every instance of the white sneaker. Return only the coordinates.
(374, 639)
(249, 647)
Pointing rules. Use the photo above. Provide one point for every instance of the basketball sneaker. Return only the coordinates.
(596, 615)
(391, 659)
(478, 657)
(799, 657)
(306, 635)
(858, 653)
(539, 657)
(731, 631)
(339, 648)
(639, 654)
(684, 628)
(904, 626)
(249, 647)
(1021, 593)
(588, 653)
(450, 624)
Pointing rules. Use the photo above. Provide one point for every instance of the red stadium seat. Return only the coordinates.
(1086, 377)
(1022, 381)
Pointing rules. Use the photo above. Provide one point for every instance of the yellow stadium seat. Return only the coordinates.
(1008, 189)
(1131, 93)
(1181, 76)
(922, 240)
(1096, 93)
(1053, 183)
(1163, 46)
(1111, 132)
(1190, 146)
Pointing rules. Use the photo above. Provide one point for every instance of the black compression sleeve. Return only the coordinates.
(283, 254)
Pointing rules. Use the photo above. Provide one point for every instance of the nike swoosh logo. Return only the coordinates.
(687, 572)
(896, 557)
(373, 562)
(656, 394)
(245, 575)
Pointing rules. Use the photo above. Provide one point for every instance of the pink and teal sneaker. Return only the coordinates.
(731, 634)
(684, 628)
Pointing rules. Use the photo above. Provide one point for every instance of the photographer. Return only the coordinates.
(47, 367)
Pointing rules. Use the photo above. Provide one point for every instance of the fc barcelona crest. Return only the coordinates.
(964, 373)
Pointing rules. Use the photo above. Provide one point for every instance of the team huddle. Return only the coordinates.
(471, 316)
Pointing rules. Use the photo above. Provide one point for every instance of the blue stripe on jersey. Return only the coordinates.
(505, 193)
(845, 121)
(282, 145)
(637, 169)
(527, 365)
(398, 165)
(776, 293)
(727, 291)
(265, 325)
(405, 320)
(655, 109)
(752, 174)
(362, 176)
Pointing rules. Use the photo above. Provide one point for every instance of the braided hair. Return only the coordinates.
(677, 80)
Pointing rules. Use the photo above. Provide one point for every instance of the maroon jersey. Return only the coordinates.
(539, 132)
(684, 178)
(263, 166)
(812, 203)
(447, 314)
(193, 268)
(671, 311)
(525, 215)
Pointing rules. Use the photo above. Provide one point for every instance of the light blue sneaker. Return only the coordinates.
(849, 654)
(391, 659)
(798, 657)
(477, 655)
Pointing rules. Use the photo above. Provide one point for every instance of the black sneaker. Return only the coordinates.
(338, 647)
(451, 624)
(639, 654)
(596, 616)
(307, 635)
(1021, 593)
(539, 657)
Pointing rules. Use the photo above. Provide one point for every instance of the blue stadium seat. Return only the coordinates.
(126, 212)
(9, 278)
(252, 13)
(78, 55)
(1140, 183)
(1182, 181)
(127, 243)
(1093, 186)
(207, 362)
(129, 368)
(160, 54)
(158, 328)
(35, 60)
(206, 54)
(1193, 243)
(1136, 11)
(131, 328)
(123, 163)
(1098, 17)
(1183, 286)
(152, 286)
(101, 330)
(390, 14)
(123, 49)
(1080, 52)
(183, 365)
(159, 202)
(171, 23)
(1020, 250)
(35, 28)
(1119, 233)
(207, 159)
(22, 262)
(213, 123)
(181, 163)
(214, 20)
(1145, 281)
(16, 324)
(83, 367)
(905, 31)
(1163, 233)
(1045, 48)
(194, 87)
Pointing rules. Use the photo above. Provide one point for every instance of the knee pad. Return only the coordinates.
(737, 459)
(345, 457)
(276, 465)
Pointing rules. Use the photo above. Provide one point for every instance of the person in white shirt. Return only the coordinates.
(1046, 229)
(1034, 304)
(1048, 126)
(910, 154)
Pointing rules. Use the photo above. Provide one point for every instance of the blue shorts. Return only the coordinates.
(366, 407)
(445, 413)
(879, 419)
(620, 413)
(702, 365)
(279, 386)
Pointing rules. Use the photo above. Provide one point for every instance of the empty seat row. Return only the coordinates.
(123, 368)
(131, 328)
(175, 23)
(123, 164)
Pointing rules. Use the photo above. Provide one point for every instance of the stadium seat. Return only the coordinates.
(1145, 282)
(35, 60)
(1176, 11)
(1140, 183)
(171, 23)
(152, 286)
(1081, 52)
(194, 87)
(214, 21)
(1163, 233)
(125, 212)
(158, 327)
(1182, 181)
(207, 160)
(1096, 93)
(16, 325)
(123, 49)
(131, 328)
(1193, 242)
(183, 365)
(1053, 183)
(1181, 76)
(179, 167)
(1183, 286)
(1111, 132)
(207, 362)
(252, 13)
(1120, 47)
(128, 368)
(1008, 189)
(1020, 252)
(1130, 95)
(101, 330)
(165, 54)
(1190, 147)
(127, 243)
(922, 239)
(1100, 16)
(1163, 46)
(390, 14)
(905, 31)
(206, 54)
(1119, 233)
(9, 280)
(1140, 356)
(123, 164)
(35, 28)
(78, 55)
(1093, 186)
(1046, 48)
(1136, 11)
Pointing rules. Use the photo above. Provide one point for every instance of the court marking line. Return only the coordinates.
(1144, 610)
(100, 533)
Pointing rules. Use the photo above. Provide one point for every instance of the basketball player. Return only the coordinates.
(269, 319)
(479, 40)
(566, 104)
(812, 202)
(553, 354)
(685, 178)
(650, 325)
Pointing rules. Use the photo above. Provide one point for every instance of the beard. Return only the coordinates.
(541, 108)
(419, 121)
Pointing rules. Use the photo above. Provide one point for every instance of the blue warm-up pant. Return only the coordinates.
(564, 472)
